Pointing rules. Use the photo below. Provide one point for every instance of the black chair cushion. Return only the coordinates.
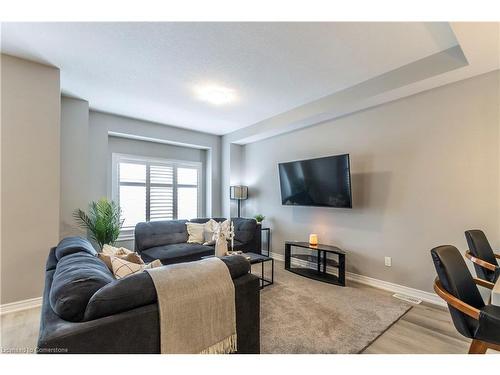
(480, 248)
(489, 324)
(71, 245)
(159, 233)
(175, 253)
(77, 277)
(457, 280)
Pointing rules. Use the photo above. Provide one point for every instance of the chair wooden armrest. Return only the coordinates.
(497, 256)
(480, 262)
(484, 283)
(455, 302)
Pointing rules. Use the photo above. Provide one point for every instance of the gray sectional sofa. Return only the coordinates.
(167, 240)
(85, 310)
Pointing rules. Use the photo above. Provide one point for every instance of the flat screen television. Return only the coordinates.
(323, 182)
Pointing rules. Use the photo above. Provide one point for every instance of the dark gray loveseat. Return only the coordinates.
(167, 240)
(85, 310)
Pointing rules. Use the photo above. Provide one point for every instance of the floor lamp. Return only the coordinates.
(238, 193)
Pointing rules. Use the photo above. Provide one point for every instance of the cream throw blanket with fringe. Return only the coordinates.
(197, 307)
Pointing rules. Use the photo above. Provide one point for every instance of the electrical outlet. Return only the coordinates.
(388, 261)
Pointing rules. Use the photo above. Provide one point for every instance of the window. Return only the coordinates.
(155, 189)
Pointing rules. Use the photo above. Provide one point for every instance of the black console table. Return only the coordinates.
(320, 258)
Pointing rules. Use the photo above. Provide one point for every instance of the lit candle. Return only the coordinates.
(313, 239)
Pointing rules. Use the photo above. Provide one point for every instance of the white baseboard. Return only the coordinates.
(376, 283)
(26, 304)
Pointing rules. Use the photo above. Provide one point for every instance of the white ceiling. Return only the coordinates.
(148, 70)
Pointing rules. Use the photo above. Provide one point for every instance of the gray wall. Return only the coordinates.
(74, 162)
(424, 169)
(30, 175)
(155, 150)
(232, 174)
(101, 125)
(87, 147)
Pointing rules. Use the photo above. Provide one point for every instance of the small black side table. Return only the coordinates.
(254, 258)
(320, 258)
(268, 240)
(258, 258)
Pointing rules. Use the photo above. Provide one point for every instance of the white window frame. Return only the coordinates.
(117, 158)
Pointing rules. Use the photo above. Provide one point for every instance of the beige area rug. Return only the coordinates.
(300, 315)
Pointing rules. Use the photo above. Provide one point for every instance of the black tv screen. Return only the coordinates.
(324, 182)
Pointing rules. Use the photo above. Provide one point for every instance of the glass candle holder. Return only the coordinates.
(313, 239)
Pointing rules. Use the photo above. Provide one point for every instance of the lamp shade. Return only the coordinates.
(238, 192)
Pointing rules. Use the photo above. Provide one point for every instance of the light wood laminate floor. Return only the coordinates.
(423, 329)
(19, 331)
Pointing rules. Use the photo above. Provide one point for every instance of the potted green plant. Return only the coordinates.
(103, 221)
(259, 218)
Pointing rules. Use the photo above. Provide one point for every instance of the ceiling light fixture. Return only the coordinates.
(214, 94)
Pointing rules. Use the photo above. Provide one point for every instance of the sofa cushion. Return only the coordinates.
(139, 290)
(77, 277)
(238, 265)
(244, 229)
(121, 295)
(71, 245)
(51, 260)
(239, 246)
(159, 233)
(175, 253)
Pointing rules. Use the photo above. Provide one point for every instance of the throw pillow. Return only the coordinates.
(108, 252)
(115, 251)
(195, 232)
(123, 268)
(222, 234)
(208, 232)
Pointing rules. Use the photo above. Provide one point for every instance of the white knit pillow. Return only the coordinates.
(208, 232)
